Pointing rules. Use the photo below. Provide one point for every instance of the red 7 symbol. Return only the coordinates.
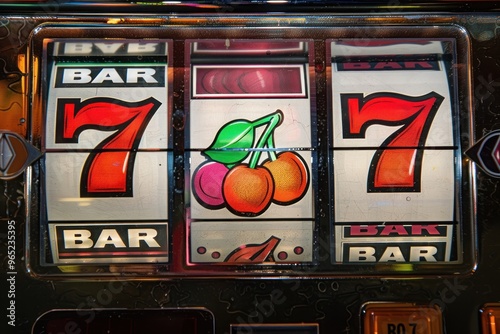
(396, 165)
(108, 169)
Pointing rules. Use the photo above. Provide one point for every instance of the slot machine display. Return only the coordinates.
(295, 167)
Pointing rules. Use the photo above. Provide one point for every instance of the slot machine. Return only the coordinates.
(230, 167)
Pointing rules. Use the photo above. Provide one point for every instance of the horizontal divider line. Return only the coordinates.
(249, 60)
(89, 150)
(252, 149)
(251, 220)
(279, 149)
(384, 223)
(104, 60)
(391, 58)
(364, 148)
(92, 222)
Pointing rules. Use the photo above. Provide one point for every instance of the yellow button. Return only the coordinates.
(490, 318)
(401, 318)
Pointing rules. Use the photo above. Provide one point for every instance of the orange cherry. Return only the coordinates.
(248, 191)
(291, 177)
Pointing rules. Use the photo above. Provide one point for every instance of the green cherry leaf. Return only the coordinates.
(232, 143)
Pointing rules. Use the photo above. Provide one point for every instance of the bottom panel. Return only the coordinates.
(166, 321)
(276, 329)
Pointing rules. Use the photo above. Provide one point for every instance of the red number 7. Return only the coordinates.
(109, 167)
(396, 165)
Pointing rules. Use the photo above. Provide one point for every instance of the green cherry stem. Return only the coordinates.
(271, 153)
(273, 121)
(268, 119)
